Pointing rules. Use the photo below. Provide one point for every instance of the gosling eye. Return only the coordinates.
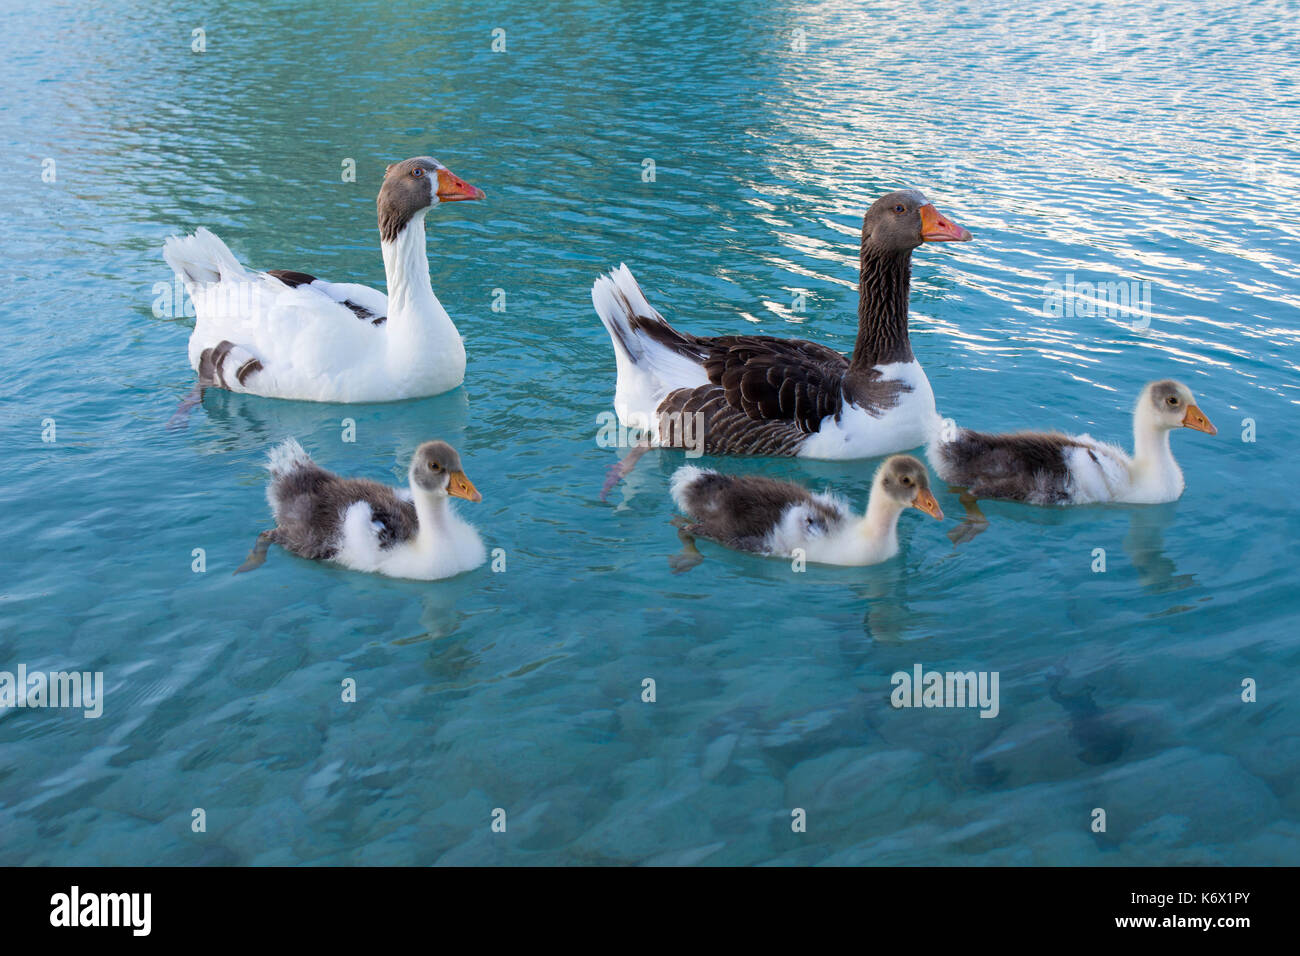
(906, 480)
(900, 209)
(1173, 399)
(434, 466)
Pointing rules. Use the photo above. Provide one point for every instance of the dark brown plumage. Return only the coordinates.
(290, 278)
(740, 511)
(882, 316)
(310, 502)
(225, 363)
(1022, 466)
(724, 428)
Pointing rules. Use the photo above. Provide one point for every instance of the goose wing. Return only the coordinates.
(765, 396)
(777, 380)
(369, 305)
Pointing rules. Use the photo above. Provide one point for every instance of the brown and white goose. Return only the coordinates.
(287, 334)
(367, 526)
(759, 395)
(1052, 468)
(769, 517)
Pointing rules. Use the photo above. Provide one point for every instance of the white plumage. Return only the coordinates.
(779, 518)
(311, 346)
(1052, 468)
(367, 526)
(286, 334)
(647, 369)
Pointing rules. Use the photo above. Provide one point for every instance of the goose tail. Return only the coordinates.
(202, 259)
(652, 357)
(287, 457)
(619, 302)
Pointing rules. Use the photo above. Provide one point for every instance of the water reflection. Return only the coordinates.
(347, 434)
(1145, 546)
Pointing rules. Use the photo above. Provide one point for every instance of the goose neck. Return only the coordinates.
(1152, 454)
(406, 265)
(433, 513)
(880, 524)
(884, 285)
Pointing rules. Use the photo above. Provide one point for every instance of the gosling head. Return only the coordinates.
(412, 187)
(1166, 405)
(902, 220)
(907, 484)
(436, 470)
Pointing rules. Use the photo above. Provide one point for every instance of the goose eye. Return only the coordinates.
(899, 208)
(418, 171)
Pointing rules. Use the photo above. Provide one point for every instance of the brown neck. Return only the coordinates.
(883, 285)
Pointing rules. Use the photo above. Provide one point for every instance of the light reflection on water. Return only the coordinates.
(1109, 145)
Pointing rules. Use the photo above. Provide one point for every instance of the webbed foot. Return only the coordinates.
(181, 417)
(257, 557)
(621, 469)
(689, 556)
(975, 523)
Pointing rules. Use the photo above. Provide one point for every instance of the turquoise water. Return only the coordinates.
(1087, 142)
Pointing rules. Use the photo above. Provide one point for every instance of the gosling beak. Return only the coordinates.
(925, 501)
(936, 227)
(451, 188)
(1195, 418)
(459, 487)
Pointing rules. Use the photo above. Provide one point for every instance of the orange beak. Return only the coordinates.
(936, 227)
(451, 188)
(459, 487)
(1195, 418)
(925, 501)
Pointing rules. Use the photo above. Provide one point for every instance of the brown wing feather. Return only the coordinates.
(311, 502)
(690, 414)
(770, 380)
(779, 380)
(741, 510)
(1025, 466)
(789, 386)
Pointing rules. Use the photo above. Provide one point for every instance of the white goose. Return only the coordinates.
(287, 334)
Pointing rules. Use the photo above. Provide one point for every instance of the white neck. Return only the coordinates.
(434, 514)
(1153, 459)
(416, 319)
(878, 529)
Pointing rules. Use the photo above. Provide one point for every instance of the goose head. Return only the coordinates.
(904, 219)
(1166, 405)
(414, 186)
(905, 483)
(436, 471)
